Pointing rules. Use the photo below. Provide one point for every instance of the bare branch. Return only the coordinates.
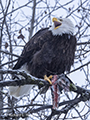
(80, 67)
(33, 19)
(6, 52)
(83, 43)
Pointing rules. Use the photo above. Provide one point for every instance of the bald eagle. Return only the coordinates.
(50, 51)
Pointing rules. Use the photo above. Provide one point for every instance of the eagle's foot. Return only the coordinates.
(48, 79)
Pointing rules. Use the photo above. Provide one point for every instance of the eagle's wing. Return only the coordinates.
(33, 46)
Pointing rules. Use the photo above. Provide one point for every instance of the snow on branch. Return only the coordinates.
(82, 94)
(27, 79)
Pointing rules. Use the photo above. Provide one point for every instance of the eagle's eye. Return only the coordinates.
(61, 20)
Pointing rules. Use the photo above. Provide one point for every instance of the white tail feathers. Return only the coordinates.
(18, 91)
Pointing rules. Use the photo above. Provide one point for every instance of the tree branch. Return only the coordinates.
(33, 18)
(79, 67)
(6, 52)
(83, 43)
(27, 79)
(69, 104)
(84, 94)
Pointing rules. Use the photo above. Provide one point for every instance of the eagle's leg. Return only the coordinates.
(48, 79)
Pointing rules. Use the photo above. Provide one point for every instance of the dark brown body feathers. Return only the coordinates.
(48, 54)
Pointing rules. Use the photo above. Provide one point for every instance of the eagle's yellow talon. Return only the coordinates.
(48, 79)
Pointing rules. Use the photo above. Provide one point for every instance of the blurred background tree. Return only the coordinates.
(19, 21)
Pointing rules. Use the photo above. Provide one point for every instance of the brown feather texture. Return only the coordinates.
(48, 54)
(50, 51)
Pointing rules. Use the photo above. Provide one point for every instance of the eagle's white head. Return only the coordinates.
(62, 26)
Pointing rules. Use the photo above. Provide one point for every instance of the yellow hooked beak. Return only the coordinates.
(57, 23)
(55, 19)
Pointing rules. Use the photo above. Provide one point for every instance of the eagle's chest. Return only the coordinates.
(60, 47)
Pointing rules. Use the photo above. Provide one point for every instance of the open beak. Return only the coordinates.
(57, 23)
